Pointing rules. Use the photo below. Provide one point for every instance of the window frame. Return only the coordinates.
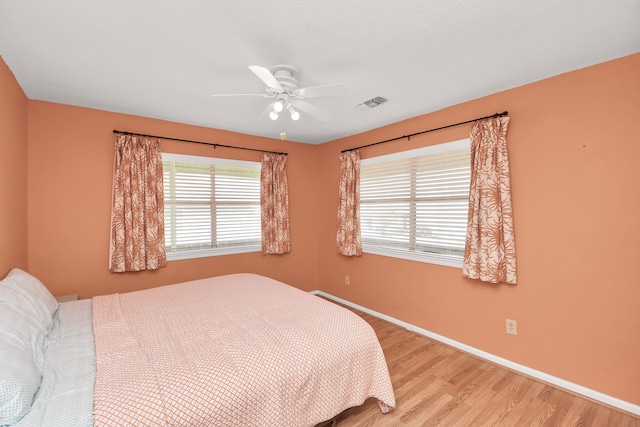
(217, 251)
(449, 260)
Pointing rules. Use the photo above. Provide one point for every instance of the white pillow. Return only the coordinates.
(26, 313)
(30, 296)
(21, 332)
(19, 381)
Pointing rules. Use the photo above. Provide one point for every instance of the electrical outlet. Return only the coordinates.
(512, 327)
(347, 281)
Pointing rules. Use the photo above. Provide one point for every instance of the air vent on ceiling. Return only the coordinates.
(372, 103)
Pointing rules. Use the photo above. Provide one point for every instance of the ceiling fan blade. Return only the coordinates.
(265, 75)
(312, 110)
(336, 89)
(260, 95)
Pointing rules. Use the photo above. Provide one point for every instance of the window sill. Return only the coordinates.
(203, 253)
(426, 257)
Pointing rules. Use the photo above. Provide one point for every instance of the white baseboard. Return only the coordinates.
(542, 376)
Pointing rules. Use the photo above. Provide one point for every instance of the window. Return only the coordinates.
(212, 206)
(414, 204)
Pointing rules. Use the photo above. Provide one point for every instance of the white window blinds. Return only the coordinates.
(212, 206)
(414, 204)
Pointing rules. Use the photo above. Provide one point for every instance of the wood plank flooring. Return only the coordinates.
(438, 385)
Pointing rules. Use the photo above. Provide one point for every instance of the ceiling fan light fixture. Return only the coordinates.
(294, 114)
(278, 106)
(273, 115)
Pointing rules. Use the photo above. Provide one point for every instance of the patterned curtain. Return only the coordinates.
(490, 253)
(348, 237)
(137, 213)
(274, 204)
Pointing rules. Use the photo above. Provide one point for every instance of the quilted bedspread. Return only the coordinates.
(237, 350)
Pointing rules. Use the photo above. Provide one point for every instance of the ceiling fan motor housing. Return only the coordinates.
(287, 76)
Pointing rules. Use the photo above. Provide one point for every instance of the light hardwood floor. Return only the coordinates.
(438, 385)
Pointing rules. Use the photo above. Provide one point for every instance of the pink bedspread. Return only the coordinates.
(238, 350)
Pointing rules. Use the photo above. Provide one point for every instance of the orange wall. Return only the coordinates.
(13, 173)
(575, 175)
(70, 154)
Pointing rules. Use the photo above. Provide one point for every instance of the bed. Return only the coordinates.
(235, 350)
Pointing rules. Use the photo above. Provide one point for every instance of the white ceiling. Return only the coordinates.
(162, 59)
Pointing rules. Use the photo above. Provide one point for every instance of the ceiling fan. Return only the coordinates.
(282, 86)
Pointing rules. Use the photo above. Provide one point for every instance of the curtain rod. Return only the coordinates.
(504, 113)
(215, 145)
